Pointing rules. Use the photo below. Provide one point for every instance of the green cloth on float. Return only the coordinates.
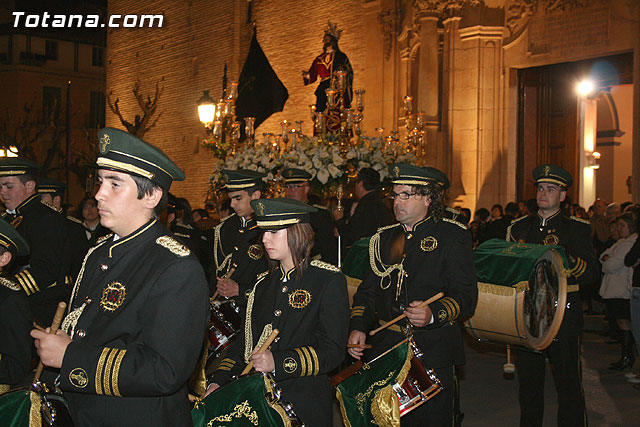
(356, 263)
(15, 408)
(508, 263)
(239, 403)
(367, 393)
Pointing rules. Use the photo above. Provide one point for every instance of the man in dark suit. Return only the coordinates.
(139, 308)
(370, 214)
(411, 261)
(296, 186)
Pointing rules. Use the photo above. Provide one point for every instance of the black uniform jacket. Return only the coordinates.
(15, 325)
(195, 240)
(44, 230)
(325, 243)
(436, 256)
(312, 316)
(370, 214)
(137, 339)
(76, 247)
(574, 235)
(240, 246)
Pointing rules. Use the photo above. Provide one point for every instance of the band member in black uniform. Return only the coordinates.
(306, 301)
(88, 215)
(76, 244)
(15, 314)
(325, 246)
(139, 307)
(236, 240)
(425, 253)
(41, 275)
(549, 226)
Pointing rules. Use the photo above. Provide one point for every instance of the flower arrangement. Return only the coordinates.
(328, 166)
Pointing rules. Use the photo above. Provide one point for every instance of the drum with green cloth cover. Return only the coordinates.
(522, 291)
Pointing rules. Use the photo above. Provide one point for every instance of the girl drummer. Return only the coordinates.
(307, 301)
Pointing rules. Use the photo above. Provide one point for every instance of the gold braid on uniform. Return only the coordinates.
(375, 258)
(248, 333)
(216, 242)
(71, 320)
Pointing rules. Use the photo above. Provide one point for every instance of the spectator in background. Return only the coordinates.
(478, 225)
(498, 229)
(522, 208)
(199, 214)
(616, 286)
(465, 215)
(632, 259)
(370, 213)
(225, 209)
(580, 212)
(88, 211)
(599, 226)
(496, 212)
(532, 206)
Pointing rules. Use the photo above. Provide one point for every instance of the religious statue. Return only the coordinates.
(325, 66)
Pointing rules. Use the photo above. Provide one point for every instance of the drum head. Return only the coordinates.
(545, 300)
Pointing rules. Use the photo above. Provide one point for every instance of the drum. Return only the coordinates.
(522, 293)
(251, 400)
(387, 388)
(224, 323)
(34, 407)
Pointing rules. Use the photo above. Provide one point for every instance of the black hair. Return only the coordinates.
(24, 178)
(370, 178)
(512, 209)
(499, 206)
(436, 194)
(203, 212)
(630, 220)
(483, 213)
(146, 187)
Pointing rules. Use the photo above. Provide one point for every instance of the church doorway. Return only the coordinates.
(551, 122)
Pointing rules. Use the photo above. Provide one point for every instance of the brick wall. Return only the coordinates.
(188, 54)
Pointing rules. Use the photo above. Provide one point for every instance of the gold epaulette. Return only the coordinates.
(325, 265)
(173, 245)
(50, 206)
(386, 227)
(74, 219)
(320, 207)
(9, 284)
(262, 275)
(453, 221)
(103, 238)
(4, 214)
(452, 210)
(186, 236)
(584, 221)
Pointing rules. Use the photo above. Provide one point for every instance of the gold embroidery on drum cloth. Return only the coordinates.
(112, 296)
(429, 243)
(289, 365)
(78, 378)
(300, 298)
(358, 310)
(35, 414)
(226, 364)
(385, 408)
(241, 410)
(361, 398)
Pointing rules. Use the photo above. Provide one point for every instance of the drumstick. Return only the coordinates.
(359, 345)
(38, 327)
(57, 319)
(262, 349)
(226, 276)
(402, 316)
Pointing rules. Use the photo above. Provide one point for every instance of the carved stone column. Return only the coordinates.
(635, 164)
(427, 14)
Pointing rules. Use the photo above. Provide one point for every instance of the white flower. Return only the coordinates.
(323, 176)
(317, 163)
(334, 171)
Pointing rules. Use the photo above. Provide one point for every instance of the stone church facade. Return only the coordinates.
(481, 70)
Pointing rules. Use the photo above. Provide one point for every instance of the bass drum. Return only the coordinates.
(522, 293)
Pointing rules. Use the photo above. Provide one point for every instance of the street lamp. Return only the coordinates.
(206, 109)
